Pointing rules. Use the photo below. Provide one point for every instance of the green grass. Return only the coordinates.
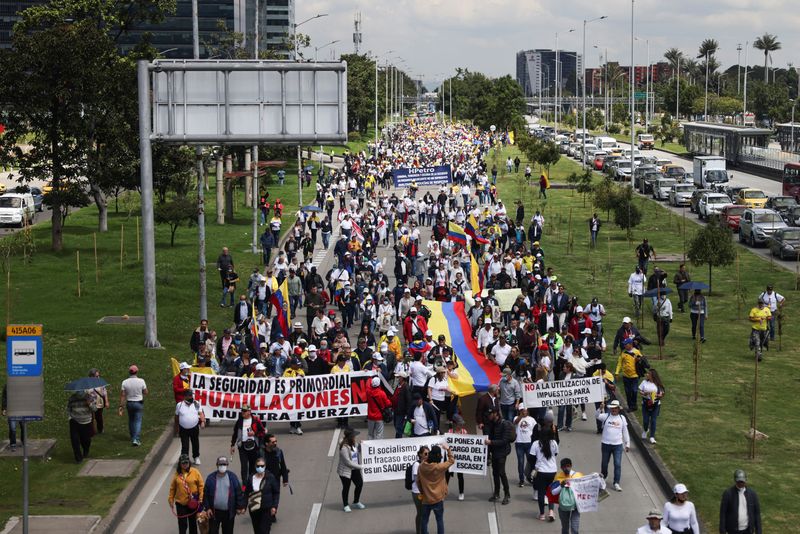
(702, 441)
(45, 291)
(675, 148)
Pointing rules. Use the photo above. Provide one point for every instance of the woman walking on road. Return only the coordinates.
(652, 391)
(263, 494)
(186, 494)
(544, 450)
(349, 470)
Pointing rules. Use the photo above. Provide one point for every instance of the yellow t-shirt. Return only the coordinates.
(764, 314)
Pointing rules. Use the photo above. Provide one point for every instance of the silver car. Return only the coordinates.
(681, 194)
(662, 188)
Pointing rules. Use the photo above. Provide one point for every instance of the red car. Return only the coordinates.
(730, 216)
(598, 162)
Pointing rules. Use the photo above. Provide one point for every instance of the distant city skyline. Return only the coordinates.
(435, 38)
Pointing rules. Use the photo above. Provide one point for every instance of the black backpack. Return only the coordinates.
(410, 476)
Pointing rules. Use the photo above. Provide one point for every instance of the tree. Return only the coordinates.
(175, 213)
(767, 43)
(604, 195)
(674, 57)
(627, 215)
(712, 245)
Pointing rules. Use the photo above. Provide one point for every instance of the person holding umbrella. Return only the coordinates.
(80, 408)
(698, 313)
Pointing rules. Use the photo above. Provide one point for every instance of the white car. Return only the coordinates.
(681, 194)
(17, 209)
(711, 204)
(662, 187)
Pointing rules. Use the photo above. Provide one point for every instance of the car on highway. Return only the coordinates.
(730, 215)
(689, 177)
(648, 180)
(48, 187)
(674, 171)
(757, 225)
(662, 187)
(711, 204)
(781, 204)
(751, 197)
(792, 216)
(35, 192)
(680, 194)
(16, 209)
(646, 142)
(785, 243)
(599, 159)
(662, 162)
(622, 170)
(572, 149)
(639, 173)
(697, 194)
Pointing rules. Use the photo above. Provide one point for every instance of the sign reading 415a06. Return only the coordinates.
(24, 350)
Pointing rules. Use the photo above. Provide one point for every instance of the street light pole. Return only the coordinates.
(647, 92)
(678, 89)
(705, 110)
(738, 68)
(632, 83)
(744, 99)
(583, 89)
(794, 102)
(201, 214)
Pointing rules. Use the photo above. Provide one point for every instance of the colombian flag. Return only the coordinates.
(476, 277)
(280, 300)
(475, 372)
(456, 233)
(471, 228)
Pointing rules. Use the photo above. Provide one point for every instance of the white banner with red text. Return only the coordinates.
(387, 459)
(563, 392)
(304, 398)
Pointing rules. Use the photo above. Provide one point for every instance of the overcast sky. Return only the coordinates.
(436, 36)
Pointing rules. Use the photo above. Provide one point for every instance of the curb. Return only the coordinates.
(125, 500)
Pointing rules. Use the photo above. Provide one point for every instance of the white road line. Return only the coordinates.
(140, 514)
(493, 523)
(334, 441)
(314, 517)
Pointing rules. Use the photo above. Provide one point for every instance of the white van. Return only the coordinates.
(17, 209)
(605, 143)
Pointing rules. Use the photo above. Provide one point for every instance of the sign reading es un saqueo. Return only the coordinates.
(563, 392)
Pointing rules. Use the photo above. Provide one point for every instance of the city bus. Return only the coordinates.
(791, 180)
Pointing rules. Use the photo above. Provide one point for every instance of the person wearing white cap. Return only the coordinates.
(180, 383)
(378, 408)
(653, 525)
(679, 513)
(485, 335)
(615, 438)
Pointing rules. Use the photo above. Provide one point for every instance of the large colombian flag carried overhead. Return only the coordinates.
(475, 372)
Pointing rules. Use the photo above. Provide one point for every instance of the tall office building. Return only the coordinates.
(536, 70)
(173, 37)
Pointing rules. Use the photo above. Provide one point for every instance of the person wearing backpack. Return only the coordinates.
(568, 508)
(412, 472)
(500, 434)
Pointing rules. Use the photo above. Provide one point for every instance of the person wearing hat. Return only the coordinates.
(615, 438)
(297, 332)
(189, 419)
(414, 324)
(760, 318)
(775, 302)
(740, 510)
(377, 363)
(485, 336)
(627, 365)
(377, 404)
(248, 437)
(349, 470)
(186, 486)
(440, 394)
(131, 396)
(223, 497)
(316, 365)
(625, 331)
(653, 525)
(679, 513)
(180, 382)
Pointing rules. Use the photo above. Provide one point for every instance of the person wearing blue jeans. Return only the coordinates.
(438, 513)
(562, 424)
(131, 396)
(432, 482)
(615, 439)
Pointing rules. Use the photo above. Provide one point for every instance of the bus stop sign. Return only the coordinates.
(24, 368)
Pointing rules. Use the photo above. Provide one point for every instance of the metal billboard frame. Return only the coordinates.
(175, 91)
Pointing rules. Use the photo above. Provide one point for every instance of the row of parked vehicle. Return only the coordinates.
(19, 207)
(759, 220)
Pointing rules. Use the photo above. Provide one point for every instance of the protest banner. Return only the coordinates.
(563, 392)
(506, 298)
(586, 490)
(438, 175)
(303, 398)
(387, 459)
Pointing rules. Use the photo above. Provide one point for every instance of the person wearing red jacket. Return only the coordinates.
(377, 401)
(412, 324)
(180, 383)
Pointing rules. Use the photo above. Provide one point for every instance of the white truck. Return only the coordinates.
(709, 172)
(17, 209)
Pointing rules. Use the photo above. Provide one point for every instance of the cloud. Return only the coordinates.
(436, 36)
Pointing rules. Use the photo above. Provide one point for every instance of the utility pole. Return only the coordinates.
(738, 69)
(201, 208)
(744, 99)
(255, 150)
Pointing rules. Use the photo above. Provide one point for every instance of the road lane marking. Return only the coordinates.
(493, 523)
(140, 514)
(334, 441)
(314, 517)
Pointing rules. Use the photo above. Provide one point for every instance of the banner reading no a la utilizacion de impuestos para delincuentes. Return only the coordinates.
(438, 175)
(563, 392)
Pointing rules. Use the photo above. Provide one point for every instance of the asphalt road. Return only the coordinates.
(314, 505)
(7, 179)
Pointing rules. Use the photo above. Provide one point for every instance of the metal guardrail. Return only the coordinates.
(770, 158)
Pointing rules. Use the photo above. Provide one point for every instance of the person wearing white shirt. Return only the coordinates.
(615, 438)
(653, 525)
(485, 335)
(774, 302)
(422, 455)
(545, 451)
(679, 513)
(189, 419)
(419, 374)
(636, 288)
(524, 423)
(500, 352)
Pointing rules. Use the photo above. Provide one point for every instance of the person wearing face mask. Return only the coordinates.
(186, 483)
(189, 419)
(223, 498)
(263, 495)
(180, 383)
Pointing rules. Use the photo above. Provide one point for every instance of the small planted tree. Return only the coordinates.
(627, 214)
(175, 213)
(712, 245)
